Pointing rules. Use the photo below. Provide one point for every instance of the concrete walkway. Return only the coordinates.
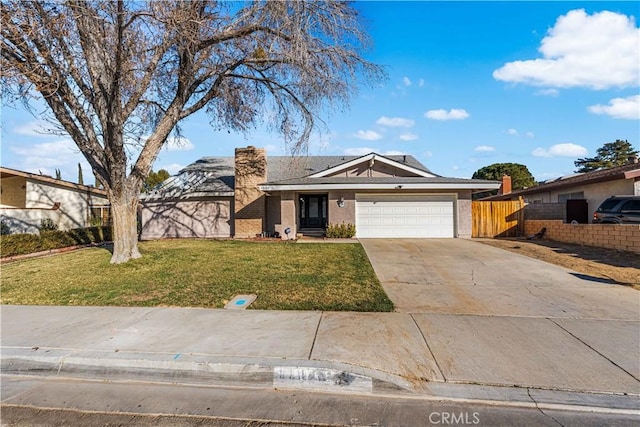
(430, 355)
(476, 323)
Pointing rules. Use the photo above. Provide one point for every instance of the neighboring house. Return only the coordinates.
(26, 199)
(590, 187)
(250, 194)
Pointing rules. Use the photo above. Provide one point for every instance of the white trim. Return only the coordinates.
(369, 157)
(385, 186)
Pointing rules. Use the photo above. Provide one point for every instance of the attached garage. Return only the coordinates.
(405, 216)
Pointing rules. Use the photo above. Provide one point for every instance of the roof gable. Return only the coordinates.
(370, 159)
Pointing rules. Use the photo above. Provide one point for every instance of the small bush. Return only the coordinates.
(341, 231)
(47, 224)
(4, 228)
(20, 244)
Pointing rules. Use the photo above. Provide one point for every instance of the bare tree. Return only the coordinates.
(119, 76)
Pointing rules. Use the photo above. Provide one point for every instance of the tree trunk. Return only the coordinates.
(124, 208)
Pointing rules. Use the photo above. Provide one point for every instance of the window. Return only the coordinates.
(100, 215)
(562, 198)
(631, 207)
(608, 205)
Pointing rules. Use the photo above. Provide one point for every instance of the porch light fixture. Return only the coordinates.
(341, 202)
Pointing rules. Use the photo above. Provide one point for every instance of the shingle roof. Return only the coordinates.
(383, 180)
(601, 175)
(209, 176)
(215, 176)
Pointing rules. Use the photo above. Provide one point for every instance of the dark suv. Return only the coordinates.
(618, 210)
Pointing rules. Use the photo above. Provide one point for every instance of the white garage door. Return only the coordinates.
(391, 215)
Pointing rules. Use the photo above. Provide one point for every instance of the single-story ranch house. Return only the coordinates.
(590, 188)
(27, 198)
(251, 195)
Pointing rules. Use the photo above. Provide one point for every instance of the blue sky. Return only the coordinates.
(470, 84)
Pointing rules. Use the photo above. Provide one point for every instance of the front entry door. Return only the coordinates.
(313, 211)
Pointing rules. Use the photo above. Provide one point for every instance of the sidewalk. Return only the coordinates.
(512, 360)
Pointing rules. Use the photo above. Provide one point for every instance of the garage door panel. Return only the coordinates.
(389, 215)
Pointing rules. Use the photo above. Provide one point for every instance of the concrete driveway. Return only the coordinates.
(458, 276)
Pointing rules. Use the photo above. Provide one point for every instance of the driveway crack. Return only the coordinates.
(583, 342)
(428, 348)
(540, 409)
(315, 336)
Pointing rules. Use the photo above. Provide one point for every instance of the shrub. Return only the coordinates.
(20, 244)
(4, 228)
(341, 231)
(47, 224)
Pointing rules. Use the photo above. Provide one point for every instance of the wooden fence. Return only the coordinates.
(497, 219)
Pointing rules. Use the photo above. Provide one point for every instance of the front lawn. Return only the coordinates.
(203, 273)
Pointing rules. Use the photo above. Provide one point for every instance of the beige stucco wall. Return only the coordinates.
(273, 213)
(203, 218)
(22, 221)
(34, 201)
(463, 215)
(346, 214)
(288, 215)
(74, 204)
(13, 191)
(593, 193)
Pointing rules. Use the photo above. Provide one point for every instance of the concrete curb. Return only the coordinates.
(196, 369)
(308, 375)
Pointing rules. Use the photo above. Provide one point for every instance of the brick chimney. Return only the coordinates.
(250, 209)
(505, 188)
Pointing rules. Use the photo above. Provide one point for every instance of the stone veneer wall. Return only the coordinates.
(250, 204)
(624, 237)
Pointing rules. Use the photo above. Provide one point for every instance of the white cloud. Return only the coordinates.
(406, 81)
(620, 108)
(173, 168)
(359, 151)
(408, 136)
(512, 132)
(421, 83)
(47, 154)
(548, 92)
(530, 134)
(596, 51)
(484, 148)
(540, 152)
(367, 135)
(46, 157)
(427, 154)
(178, 143)
(561, 150)
(34, 128)
(395, 122)
(453, 114)
(393, 153)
